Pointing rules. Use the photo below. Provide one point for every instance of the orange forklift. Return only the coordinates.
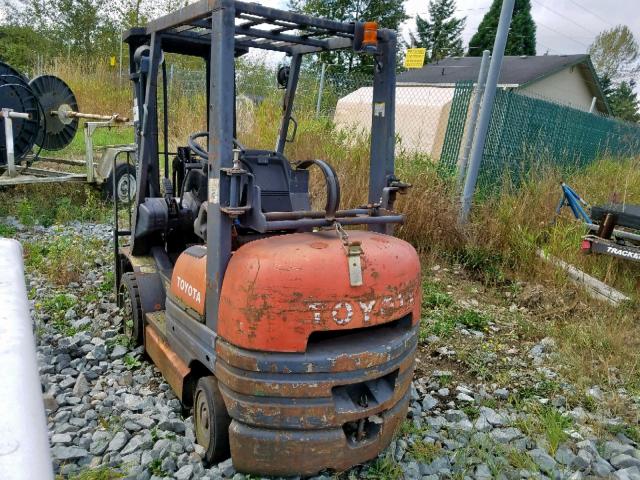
(290, 336)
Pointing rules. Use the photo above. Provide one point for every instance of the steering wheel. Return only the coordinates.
(201, 152)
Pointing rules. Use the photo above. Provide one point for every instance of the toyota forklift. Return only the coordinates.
(289, 332)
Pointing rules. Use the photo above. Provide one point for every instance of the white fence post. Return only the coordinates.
(24, 443)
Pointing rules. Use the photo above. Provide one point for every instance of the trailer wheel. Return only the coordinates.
(126, 186)
(211, 420)
(132, 312)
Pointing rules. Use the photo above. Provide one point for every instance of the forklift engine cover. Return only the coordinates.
(277, 292)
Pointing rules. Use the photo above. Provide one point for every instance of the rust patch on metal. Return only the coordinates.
(172, 367)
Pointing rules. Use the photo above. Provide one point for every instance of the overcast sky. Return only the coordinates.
(564, 26)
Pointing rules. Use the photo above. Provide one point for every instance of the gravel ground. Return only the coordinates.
(107, 407)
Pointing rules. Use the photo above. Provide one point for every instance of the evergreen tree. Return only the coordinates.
(441, 34)
(522, 35)
(388, 13)
(624, 102)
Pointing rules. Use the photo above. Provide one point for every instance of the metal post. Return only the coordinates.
(121, 47)
(24, 446)
(473, 118)
(321, 89)
(383, 137)
(486, 108)
(221, 108)
(8, 115)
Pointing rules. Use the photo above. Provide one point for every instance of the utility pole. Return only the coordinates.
(486, 108)
(473, 118)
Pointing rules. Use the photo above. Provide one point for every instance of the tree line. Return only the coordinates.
(92, 29)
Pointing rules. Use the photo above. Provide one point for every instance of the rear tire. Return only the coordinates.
(129, 298)
(211, 420)
(126, 185)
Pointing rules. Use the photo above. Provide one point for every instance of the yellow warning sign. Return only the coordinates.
(112, 61)
(415, 58)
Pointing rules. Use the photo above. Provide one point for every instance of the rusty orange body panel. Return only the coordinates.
(170, 364)
(188, 283)
(278, 291)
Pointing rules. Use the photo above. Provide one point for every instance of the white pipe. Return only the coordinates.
(593, 105)
(24, 443)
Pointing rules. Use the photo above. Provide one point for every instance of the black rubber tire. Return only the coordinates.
(211, 420)
(133, 321)
(121, 170)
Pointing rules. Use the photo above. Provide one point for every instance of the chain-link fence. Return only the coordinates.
(527, 132)
(433, 120)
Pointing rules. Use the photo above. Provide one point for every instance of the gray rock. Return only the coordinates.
(118, 351)
(564, 455)
(184, 473)
(99, 442)
(631, 473)
(172, 425)
(482, 424)
(81, 387)
(601, 467)
(227, 470)
(483, 472)
(65, 454)
(543, 460)
(505, 435)
(428, 403)
(624, 461)
(411, 471)
(583, 460)
(168, 465)
(612, 448)
(148, 456)
(61, 438)
(463, 397)
(454, 415)
(502, 393)
(137, 443)
(50, 402)
(118, 442)
(436, 466)
(493, 417)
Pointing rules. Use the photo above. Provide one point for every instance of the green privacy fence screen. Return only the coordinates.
(455, 127)
(528, 132)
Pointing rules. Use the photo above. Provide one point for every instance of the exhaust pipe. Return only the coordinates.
(24, 443)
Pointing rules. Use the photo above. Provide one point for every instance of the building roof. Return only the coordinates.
(516, 72)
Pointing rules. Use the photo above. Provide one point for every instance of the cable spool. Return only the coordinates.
(6, 69)
(57, 129)
(16, 95)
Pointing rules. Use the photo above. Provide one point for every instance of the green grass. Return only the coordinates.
(433, 297)
(385, 468)
(7, 231)
(62, 258)
(132, 361)
(424, 452)
(102, 137)
(57, 306)
(546, 421)
(51, 204)
(101, 473)
(444, 323)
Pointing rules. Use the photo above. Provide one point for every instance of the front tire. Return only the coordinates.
(129, 298)
(211, 420)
